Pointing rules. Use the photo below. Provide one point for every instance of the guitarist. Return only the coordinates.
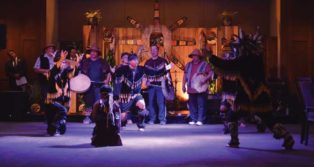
(197, 100)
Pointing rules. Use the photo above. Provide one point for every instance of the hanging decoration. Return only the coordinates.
(93, 17)
(227, 17)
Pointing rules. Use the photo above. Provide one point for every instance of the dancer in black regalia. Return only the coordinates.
(252, 93)
(106, 116)
(58, 96)
(127, 90)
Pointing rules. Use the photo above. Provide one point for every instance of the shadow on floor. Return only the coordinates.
(299, 152)
(77, 146)
(25, 135)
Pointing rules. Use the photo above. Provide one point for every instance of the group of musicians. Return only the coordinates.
(55, 73)
(110, 105)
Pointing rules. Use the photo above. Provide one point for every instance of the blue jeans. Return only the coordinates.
(56, 114)
(155, 95)
(56, 111)
(197, 106)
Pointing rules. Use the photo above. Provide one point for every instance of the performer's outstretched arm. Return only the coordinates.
(225, 67)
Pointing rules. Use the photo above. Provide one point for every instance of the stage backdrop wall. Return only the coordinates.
(297, 40)
(200, 13)
(25, 29)
(25, 25)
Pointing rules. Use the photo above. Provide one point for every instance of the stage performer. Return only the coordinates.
(124, 62)
(155, 69)
(58, 95)
(197, 70)
(98, 70)
(229, 91)
(106, 115)
(127, 90)
(252, 92)
(124, 59)
(42, 67)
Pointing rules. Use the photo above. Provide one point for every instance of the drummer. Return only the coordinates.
(98, 70)
(197, 100)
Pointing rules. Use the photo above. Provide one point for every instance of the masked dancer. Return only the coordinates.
(252, 92)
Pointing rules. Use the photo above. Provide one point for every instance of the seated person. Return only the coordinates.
(106, 116)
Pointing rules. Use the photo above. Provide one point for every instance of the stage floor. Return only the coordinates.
(26, 144)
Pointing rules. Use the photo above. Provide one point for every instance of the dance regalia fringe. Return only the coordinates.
(130, 87)
(253, 95)
(56, 84)
(155, 70)
(156, 78)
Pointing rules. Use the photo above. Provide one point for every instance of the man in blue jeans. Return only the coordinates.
(197, 98)
(155, 70)
(98, 70)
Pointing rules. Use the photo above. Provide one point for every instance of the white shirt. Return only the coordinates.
(14, 62)
(50, 58)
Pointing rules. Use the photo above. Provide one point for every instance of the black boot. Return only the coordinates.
(234, 142)
(141, 119)
(62, 126)
(280, 132)
(51, 129)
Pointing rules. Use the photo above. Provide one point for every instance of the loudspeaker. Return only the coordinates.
(14, 105)
(3, 36)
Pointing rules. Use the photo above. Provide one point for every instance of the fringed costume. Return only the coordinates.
(229, 91)
(155, 69)
(127, 90)
(252, 94)
(57, 100)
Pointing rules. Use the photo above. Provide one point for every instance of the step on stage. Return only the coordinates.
(26, 144)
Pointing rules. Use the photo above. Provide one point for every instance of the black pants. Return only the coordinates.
(56, 115)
